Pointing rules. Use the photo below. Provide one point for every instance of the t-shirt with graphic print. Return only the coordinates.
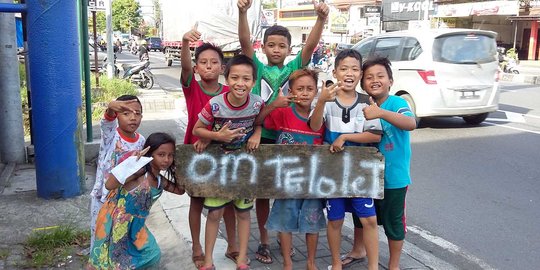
(196, 97)
(270, 79)
(395, 145)
(218, 111)
(292, 128)
(113, 147)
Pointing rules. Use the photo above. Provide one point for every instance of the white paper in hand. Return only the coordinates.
(128, 167)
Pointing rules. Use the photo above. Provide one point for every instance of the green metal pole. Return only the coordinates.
(85, 55)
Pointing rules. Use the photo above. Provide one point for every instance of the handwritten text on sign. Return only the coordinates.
(282, 171)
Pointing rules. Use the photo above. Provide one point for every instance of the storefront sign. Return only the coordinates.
(477, 9)
(405, 10)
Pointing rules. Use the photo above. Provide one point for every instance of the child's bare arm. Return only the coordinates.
(255, 139)
(243, 28)
(113, 183)
(399, 120)
(364, 137)
(316, 32)
(185, 55)
(281, 101)
(327, 94)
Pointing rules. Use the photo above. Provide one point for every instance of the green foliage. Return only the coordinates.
(51, 246)
(269, 4)
(108, 90)
(125, 15)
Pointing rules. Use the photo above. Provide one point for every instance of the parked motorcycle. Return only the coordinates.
(138, 74)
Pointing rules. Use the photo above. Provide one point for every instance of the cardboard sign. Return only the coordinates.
(281, 171)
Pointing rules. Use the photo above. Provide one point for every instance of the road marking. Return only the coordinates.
(448, 246)
(510, 117)
(515, 128)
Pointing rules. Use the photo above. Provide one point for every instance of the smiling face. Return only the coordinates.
(240, 80)
(163, 157)
(129, 120)
(208, 65)
(376, 82)
(305, 89)
(276, 48)
(349, 73)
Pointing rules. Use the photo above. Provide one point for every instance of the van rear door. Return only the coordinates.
(465, 65)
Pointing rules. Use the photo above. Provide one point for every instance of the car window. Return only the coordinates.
(364, 48)
(411, 49)
(465, 49)
(389, 48)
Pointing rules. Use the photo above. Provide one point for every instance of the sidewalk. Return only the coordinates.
(529, 72)
(21, 212)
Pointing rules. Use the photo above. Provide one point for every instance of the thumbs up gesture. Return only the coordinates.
(243, 5)
(321, 9)
(372, 111)
(192, 35)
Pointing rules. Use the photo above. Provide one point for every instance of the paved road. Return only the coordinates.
(475, 190)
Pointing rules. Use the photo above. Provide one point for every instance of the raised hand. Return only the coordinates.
(283, 101)
(243, 5)
(321, 8)
(121, 105)
(192, 35)
(329, 93)
(225, 134)
(372, 111)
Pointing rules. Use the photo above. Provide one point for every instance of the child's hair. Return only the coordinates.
(129, 97)
(208, 46)
(277, 30)
(379, 60)
(241, 60)
(155, 140)
(347, 53)
(301, 73)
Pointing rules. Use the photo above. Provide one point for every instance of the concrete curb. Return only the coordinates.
(520, 78)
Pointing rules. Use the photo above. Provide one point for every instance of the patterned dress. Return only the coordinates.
(122, 239)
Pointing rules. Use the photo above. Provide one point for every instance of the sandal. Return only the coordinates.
(233, 256)
(243, 267)
(293, 251)
(198, 260)
(263, 254)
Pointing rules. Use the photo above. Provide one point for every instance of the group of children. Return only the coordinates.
(261, 104)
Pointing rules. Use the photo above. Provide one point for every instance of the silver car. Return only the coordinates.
(441, 72)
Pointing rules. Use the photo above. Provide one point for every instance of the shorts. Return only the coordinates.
(391, 214)
(218, 203)
(297, 215)
(336, 207)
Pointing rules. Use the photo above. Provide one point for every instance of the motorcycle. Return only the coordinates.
(138, 74)
(510, 66)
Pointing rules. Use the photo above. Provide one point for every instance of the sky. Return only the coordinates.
(147, 10)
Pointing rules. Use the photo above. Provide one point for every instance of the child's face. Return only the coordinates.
(305, 89)
(240, 81)
(209, 65)
(376, 82)
(349, 73)
(129, 120)
(163, 156)
(276, 48)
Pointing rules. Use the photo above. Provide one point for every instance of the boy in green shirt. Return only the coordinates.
(271, 80)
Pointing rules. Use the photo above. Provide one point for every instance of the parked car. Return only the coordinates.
(342, 46)
(441, 72)
(154, 44)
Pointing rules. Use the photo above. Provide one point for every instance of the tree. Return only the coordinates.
(126, 14)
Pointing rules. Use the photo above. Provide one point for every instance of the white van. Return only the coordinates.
(441, 72)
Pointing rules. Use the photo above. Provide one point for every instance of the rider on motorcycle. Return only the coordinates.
(143, 50)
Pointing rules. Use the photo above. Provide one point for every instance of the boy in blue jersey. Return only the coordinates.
(340, 108)
(397, 120)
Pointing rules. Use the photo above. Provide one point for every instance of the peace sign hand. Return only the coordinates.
(225, 134)
(372, 111)
(329, 93)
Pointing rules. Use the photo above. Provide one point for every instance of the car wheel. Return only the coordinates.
(412, 106)
(475, 119)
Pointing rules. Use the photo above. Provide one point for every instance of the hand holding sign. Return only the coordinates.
(372, 111)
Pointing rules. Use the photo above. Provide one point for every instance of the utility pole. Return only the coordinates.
(110, 50)
(11, 125)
